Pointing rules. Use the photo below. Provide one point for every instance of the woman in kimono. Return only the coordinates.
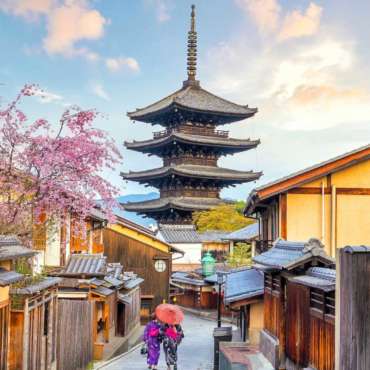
(172, 336)
(152, 338)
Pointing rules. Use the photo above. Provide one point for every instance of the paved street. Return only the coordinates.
(195, 352)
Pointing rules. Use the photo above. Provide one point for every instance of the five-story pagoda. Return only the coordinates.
(190, 146)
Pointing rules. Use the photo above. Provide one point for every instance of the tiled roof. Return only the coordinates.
(188, 278)
(37, 287)
(101, 290)
(214, 236)
(85, 264)
(232, 144)
(286, 254)
(11, 248)
(193, 98)
(9, 277)
(184, 203)
(196, 171)
(179, 234)
(133, 283)
(246, 233)
(243, 284)
(318, 277)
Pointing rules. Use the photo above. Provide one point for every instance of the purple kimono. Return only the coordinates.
(152, 340)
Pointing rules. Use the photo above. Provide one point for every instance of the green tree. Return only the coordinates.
(225, 217)
(240, 256)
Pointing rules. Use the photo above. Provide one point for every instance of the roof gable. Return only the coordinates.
(310, 174)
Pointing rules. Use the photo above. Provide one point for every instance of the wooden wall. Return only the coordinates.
(297, 323)
(132, 311)
(4, 334)
(321, 346)
(354, 300)
(139, 257)
(75, 339)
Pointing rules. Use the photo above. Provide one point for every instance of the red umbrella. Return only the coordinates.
(169, 313)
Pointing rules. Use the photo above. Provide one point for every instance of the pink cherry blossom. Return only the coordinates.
(53, 169)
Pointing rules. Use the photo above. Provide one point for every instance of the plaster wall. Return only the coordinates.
(193, 253)
(53, 247)
(346, 216)
(4, 291)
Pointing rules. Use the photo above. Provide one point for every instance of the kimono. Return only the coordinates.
(153, 341)
(172, 336)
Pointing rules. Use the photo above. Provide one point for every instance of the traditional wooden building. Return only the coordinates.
(329, 201)
(243, 294)
(139, 250)
(216, 243)
(190, 146)
(97, 302)
(187, 239)
(10, 251)
(287, 306)
(33, 330)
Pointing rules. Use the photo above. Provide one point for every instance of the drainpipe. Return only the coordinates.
(333, 220)
(323, 212)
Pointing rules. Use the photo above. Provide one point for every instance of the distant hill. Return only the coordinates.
(132, 216)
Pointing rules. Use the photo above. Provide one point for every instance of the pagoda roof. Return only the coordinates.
(193, 99)
(196, 171)
(182, 203)
(212, 141)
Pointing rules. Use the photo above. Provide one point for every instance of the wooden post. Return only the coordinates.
(26, 326)
(354, 320)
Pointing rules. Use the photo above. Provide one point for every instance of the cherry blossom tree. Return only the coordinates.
(52, 169)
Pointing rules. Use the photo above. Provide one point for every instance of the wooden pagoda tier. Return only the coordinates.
(190, 147)
(173, 142)
(173, 210)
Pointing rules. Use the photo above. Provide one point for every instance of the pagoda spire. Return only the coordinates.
(192, 48)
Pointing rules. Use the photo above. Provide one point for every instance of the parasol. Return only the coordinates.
(169, 314)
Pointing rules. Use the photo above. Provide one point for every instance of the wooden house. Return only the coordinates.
(140, 251)
(329, 201)
(287, 306)
(248, 235)
(195, 290)
(216, 243)
(100, 302)
(187, 239)
(10, 251)
(33, 329)
(243, 294)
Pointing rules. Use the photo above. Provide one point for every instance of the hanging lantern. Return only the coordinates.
(208, 264)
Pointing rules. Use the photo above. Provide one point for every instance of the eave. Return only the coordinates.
(193, 171)
(228, 144)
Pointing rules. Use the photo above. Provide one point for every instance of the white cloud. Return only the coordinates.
(270, 19)
(296, 24)
(45, 96)
(99, 91)
(26, 8)
(265, 13)
(162, 11)
(116, 64)
(70, 23)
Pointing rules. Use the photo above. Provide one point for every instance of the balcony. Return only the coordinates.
(192, 130)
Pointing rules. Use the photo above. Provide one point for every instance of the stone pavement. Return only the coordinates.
(195, 351)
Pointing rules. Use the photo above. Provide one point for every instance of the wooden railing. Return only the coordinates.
(193, 130)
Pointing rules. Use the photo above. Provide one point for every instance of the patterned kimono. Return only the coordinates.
(152, 340)
(172, 336)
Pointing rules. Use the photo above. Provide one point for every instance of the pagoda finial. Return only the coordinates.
(192, 47)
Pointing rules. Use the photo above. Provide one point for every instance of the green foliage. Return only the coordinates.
(240, 205)
(225, 217)
(241, 255)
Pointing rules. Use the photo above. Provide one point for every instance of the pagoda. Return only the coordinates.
(190, 146)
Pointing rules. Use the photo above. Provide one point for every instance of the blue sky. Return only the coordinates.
(304, 64)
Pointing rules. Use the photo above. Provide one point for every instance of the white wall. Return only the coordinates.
(193, 253)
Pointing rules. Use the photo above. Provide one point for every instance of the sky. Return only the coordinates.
(304, 64)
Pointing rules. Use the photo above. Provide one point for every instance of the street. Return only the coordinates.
(195, 351)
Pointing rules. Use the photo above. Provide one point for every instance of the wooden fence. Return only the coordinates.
(75, 339)
(354, 290)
